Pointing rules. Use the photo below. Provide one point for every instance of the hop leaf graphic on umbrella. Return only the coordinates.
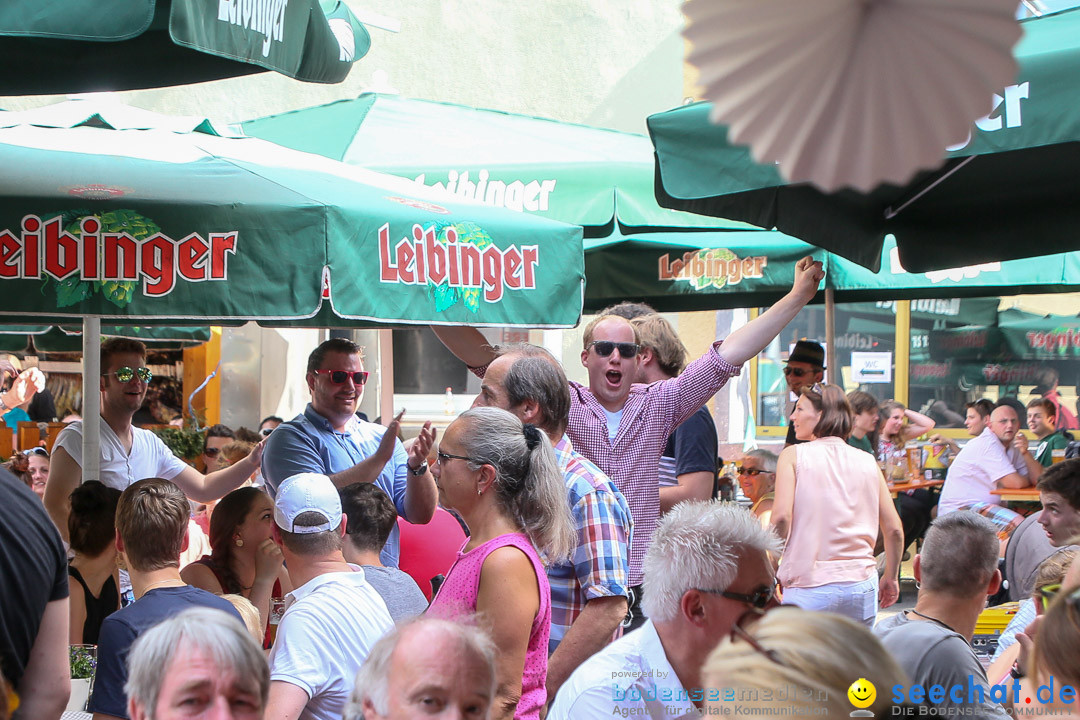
(72, 290)
(444, 295)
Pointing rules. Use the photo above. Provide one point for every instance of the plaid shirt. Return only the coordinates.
(603, 523)
(632, 459)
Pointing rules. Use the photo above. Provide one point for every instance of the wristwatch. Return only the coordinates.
(419, 469)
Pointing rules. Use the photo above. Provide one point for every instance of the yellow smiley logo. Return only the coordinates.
(862, 693)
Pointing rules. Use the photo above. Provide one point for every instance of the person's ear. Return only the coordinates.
(187, 539)
(344, 524)
(529, 411)
(584, 357)
(916, 568)
(487, 478)
(819, 375)
(995, 583)
(310, 377)
(646, 356)
(119, 542)
(101, 381)
(275, 534)
(691, 608)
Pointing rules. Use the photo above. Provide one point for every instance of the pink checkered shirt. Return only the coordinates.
(632, 460)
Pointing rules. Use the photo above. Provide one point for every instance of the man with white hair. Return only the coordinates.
(332, 618)
(201, 662)
(424, 666)
(706, 568)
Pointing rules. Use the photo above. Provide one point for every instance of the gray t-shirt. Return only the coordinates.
(932, 654)
(398, 590)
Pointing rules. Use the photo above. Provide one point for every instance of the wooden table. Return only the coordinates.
(1009, 495)
(917, 485)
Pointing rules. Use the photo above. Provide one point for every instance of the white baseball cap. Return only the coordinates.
(307, 492)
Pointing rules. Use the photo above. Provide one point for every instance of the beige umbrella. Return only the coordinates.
(851, 92)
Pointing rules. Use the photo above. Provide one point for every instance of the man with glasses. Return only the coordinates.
(329, 439)
(805, 367)
(129, 453)
(956, 571)
(707, 566)
(623, 427)
(269, 424)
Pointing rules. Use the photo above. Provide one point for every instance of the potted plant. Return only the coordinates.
(83, 667)
(186, 443)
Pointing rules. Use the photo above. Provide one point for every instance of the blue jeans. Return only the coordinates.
(855, 600)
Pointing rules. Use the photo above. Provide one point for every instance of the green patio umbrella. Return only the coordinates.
(703, 270)
(67, 46)
(578, 174)
(1011, 191)
(68, 339)
(122, 214)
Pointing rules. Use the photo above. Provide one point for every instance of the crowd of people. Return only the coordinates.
(599, 574)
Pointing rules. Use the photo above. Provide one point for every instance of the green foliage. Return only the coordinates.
(83, 661)
(185, 443)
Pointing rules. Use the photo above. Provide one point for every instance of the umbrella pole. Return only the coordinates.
(91, 405)
(830, 333)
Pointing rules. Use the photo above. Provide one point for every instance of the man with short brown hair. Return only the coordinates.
(1042, 420)
(129, 453)
(151, 532)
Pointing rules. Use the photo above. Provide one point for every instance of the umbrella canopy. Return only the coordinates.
(66, 46)
(709, 270)
(119, 213)
(1010, 191)
(68, 339)
(572, 173)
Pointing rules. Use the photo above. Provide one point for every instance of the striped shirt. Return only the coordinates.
(603, 524)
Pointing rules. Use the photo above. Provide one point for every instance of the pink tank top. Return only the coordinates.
(834, 520)
(458, 596)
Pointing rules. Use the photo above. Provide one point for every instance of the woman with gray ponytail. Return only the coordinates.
(502, 478)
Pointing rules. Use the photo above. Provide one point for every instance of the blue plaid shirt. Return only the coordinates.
(603, 524)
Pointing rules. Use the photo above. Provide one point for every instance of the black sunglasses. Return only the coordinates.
(36, 451)
(265, 432)
(797, 372)
(125, 374)
(604, 348)
(743, 470)
(337, 377)
(211, 451)
(759, 599)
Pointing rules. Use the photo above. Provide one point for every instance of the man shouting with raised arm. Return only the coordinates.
(622, 427)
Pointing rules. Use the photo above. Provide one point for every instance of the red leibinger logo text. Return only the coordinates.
(424, 259)
(158, 261)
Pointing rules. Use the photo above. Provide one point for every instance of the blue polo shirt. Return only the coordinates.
(308, 443)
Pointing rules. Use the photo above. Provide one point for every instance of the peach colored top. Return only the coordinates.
(834, 519)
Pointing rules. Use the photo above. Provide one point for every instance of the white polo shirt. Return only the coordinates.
(976, 470)
(329, 627)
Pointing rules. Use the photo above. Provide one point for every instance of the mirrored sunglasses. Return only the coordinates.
(36, 451)
(337, 377)
(604, 348)
(125, 374)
